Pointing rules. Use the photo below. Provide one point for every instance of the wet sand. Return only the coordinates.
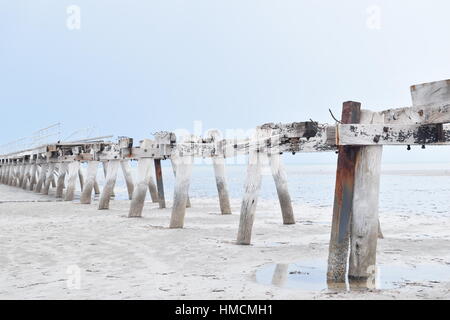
(45, 245)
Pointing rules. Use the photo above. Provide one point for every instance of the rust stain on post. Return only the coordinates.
(343, 200)
(159, 184)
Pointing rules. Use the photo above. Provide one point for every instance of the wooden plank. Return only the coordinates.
(364, 221)
(426, 114)
(183, 166)
(431, 105)
(159, 184)
(343, 200)
(108, 188)
(91, 174)
(392, 134)
(431, 93)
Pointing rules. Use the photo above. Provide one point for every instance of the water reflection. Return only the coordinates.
(280, 275)
(311, 276)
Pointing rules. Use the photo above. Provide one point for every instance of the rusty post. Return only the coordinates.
(343, 200)
(159, 184)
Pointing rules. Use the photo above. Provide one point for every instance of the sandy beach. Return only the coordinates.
(44, 243)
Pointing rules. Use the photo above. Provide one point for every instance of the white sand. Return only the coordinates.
(122, 258)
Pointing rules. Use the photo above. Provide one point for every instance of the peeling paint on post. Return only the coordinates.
(343, 200)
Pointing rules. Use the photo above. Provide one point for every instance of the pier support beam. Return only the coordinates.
(221, 183)
(96, 187)
(49, 177)
(72, 180)
(26, 176)
(41, 179)
(81, 178)
(10, 174)
(183, 166)
(144, 172)
(108, 188)
(21, 174)
(152, 188)
(159, 184)
(364, 221)
(126, 170)
(105, 172)
(343, 200)
(249, 202)
(279, 176)
(174, 168)
(62, 171)
(86, 194)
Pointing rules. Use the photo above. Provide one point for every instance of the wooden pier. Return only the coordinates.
(358, 138)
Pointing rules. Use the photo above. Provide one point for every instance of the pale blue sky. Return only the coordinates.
(137, 67)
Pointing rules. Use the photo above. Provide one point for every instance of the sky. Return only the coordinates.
(137, 67)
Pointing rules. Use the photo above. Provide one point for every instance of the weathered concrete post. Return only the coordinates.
(279, 176)
(81, 178)
(218, 161)
(91, 174)
(174, 169)
(183, 164)
(140, 189)
(21, 174)
(26, 176)
(49, 177)
(343, 200)
(221, 183)
(128, 177)
(11, 173)
(152, 188)
(18, 174)
(62, 171)
(249, 202)
(108, 188)
(41, 180)
(73, 168)
(105, 172)
(96, 187)
(33, 176)
(159, 184)
(2, 171)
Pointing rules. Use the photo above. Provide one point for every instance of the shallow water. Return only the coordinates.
(411, 189)
(311, 276)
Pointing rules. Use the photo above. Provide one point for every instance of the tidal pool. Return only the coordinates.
(312, 276)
